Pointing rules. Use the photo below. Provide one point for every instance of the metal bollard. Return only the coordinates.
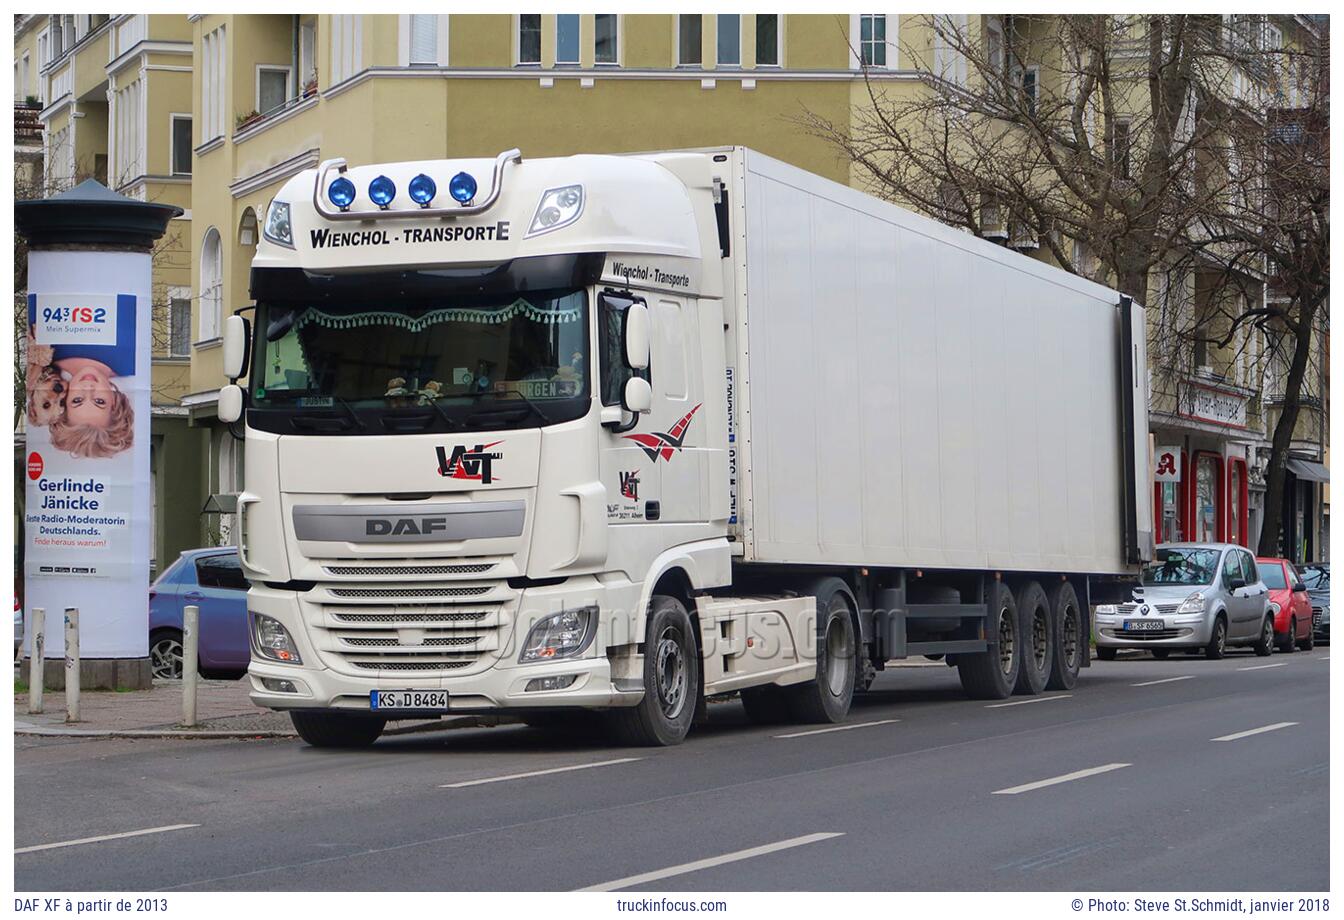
(72, 664)
(37, 625)
(191, 619)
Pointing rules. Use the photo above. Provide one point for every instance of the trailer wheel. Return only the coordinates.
(827, 698)
(765, 705)
(1070, 637)
(1036, 645)
(671, 678)
(337, 729)
(992, 675)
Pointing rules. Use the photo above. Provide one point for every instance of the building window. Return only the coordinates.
(347, 47)
(212, 85)
(128, 133)
(1238, 504)
(181, 153)
(1120, 148)
(273, 89)
(873, 40)
(1031, 78)
(212, 282)
(688, 41)
(307, 53)
(1207, 513)
(424, 34)
(179, 322)
(247, 228)
(767, 40)
(730, 41)
(529, 38)
(567, 40)
(605, 47)
(949, 63)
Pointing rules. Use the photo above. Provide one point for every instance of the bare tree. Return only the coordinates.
(1128, 149)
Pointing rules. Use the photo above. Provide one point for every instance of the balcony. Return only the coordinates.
(27, 125)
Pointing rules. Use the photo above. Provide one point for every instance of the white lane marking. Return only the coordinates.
(1322, 657)
(699, 864)
(1254, 731)
(72, 843)
(501, 779)
(1067, 777)
(1034, 699)
(1165, 680)
(1261, 667)
(837, 728)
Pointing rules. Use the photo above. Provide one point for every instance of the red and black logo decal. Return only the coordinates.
(664, 444)
(630, 485)
(469, 464)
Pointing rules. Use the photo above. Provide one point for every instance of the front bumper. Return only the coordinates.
(494, 681)
(1176, 632)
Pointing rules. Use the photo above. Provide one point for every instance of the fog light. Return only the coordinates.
(275, 685)
(550, 683)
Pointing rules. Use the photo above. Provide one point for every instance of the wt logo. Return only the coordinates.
(630, 485)
(474, 464)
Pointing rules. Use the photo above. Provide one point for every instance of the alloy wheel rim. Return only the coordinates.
(166, 659)
(1006, 641)
(1222, 635)
(670, 667)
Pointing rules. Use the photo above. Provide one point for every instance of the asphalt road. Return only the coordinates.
(939, 793)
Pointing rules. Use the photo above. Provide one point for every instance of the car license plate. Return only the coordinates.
(408, 699)
(1144, 625)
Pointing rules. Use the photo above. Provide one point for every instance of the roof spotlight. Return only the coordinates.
(422, 190)
(342, 193)
(381, 191)
(462, 187)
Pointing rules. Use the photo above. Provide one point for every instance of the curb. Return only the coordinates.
(27, 728)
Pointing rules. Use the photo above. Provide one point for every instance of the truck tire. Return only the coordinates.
(991, 675)
(671, 676)
(827, 698)
(337, 729)
(1036, 650)
(1070, 637)
(765, 705)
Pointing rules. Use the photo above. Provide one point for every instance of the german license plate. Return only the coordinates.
(408, 699)
(1144, 625)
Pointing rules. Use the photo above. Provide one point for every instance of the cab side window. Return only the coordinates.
(611, 334)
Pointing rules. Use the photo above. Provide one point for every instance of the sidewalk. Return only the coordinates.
(222, 711)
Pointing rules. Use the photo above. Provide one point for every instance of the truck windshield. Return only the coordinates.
(1177, 567)
(370, 367)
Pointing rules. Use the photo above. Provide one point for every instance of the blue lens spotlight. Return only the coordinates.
(341, 192)
(381, 191)
(462, 187)
(422, 190)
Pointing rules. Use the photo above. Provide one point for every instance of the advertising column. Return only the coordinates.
(87, 425)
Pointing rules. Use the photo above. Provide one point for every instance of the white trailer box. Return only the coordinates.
(906, 394)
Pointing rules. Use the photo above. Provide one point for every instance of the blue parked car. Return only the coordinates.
(212, 579)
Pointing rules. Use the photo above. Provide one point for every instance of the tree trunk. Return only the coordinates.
(1276, 472)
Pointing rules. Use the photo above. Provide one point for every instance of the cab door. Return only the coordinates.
(629, 467)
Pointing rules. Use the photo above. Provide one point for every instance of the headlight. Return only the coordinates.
(560, 635)
(1274, 608)
(272, 640)
(1325, 614)
(1192, 604)
(277, 228)
(559, 207)
(1106, 610)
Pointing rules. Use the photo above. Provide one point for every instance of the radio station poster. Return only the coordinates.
(87, 473)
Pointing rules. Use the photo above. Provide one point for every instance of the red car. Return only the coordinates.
(1288, 602)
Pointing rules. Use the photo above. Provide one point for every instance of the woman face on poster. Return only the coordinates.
(98, 420)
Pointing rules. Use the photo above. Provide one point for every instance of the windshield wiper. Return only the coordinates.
(354, 416)
(531, 405)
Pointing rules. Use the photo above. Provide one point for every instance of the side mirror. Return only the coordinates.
(637, 336)
(637, 395)
(1236, 584)
(237, 331)
(1299, 587)
(230, 406)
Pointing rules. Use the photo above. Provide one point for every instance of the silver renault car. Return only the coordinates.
(1192, 596)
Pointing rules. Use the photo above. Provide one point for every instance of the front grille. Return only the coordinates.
(394, 642)
(1153, 609)
(410, 665)
(440, 591)
(395, 571)
(409, 615)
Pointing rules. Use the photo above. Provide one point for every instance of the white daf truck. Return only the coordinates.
(622, 433)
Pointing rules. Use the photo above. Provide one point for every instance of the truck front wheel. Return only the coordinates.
(827, 698)
(992, 675)
(337, 729)
(671, 679)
